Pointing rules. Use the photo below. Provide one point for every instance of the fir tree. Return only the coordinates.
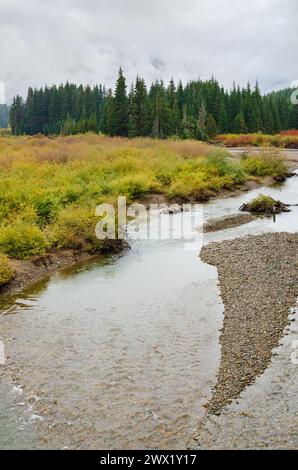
(240, 124)
(120, 111)
(211, 127)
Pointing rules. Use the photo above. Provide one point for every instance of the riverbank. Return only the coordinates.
(30, 271)
(39, 267)
(259, 284)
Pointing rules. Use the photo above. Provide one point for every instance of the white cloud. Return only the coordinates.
(86, 41)
(2, 92)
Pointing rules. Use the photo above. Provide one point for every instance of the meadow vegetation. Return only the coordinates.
(286, 139)
(50, 187)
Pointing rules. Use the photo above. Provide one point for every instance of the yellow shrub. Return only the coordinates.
(75, 229)
(21, 240)
(6, 273)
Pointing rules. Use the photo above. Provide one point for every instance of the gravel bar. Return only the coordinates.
(259, 284)
(227, 221)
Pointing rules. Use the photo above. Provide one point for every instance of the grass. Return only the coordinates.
(264, 205)
(286, 139)
(50, 187)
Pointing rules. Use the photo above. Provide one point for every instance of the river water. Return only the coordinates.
(122, 352)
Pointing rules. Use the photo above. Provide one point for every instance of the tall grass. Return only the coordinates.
(49, 187)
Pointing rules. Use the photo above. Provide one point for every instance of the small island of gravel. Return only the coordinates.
(259, 284)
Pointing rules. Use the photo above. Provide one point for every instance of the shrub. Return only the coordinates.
(132, 186)
(286, 139)
(291, 132)
(46, 210)
(217, 164)
(264, 164)
(21, 240)
(49, 187)
(6, 272)
(189, 185)
(75, 229)
(264, 205)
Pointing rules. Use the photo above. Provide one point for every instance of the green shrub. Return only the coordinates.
(49, 187)
(188, 185)
(218, 164)
(75, 229)
(46, 210)
(132, 186)
(22, 239)
(264, 164)
(264, 205)
(6, 273)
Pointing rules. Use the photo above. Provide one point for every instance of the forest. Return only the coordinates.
(199, 110)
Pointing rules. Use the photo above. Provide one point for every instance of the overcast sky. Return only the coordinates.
(85, 41)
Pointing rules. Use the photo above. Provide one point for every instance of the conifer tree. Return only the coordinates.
(211, 127)
(240, 124)
(163, 112)
(120, 111)
(17, 113)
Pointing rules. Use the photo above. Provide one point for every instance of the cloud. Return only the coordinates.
(45, 42)
(2, 92)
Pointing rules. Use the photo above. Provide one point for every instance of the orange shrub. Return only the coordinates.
(288, 139)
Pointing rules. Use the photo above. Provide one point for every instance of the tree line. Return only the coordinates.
(199, 110)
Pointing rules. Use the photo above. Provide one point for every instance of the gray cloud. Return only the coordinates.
(51, 41)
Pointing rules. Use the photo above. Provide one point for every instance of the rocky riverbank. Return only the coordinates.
(259, 286)
(259, 283)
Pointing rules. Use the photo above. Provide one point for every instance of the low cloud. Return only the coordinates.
(86, 41)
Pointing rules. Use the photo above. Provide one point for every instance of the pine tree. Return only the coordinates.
(17, 114)
(211, 127)
(68, 127)
(120, 112)
(164, 111)
(240, 124)
(201, 133)
(132, 114)
(107, 121)
(54, 123)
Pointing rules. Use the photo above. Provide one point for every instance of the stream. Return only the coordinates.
(120, 353)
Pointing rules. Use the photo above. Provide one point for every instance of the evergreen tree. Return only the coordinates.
(196, 110)
(211, 127)
(107, 121)
(138, 110)
(17, 116)
(120, 111)
(240, 124)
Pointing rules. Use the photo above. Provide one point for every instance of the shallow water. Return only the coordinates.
(120, 353)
